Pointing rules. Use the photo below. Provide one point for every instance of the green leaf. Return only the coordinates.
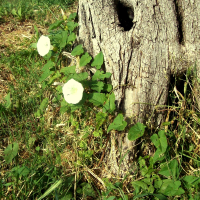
(148, 180)
(14, 12)
(10, 152)
(78, 50)
(158, 156)
(138, 185)
(89, 153)
(48, 56)
(24, 171)
(9, 184)
(154, 138)
(44, 104)
(71, 38)
(68, 196)
(85, 59)
(88, 190)
(69, 70)
(100, 119)
(83, 144)
(171, 188)
(97, 86)
(45, 74)
(160, 143)
(33, 45)
(79, 77)
(107, 87)
(48, 65)
(52, 188)
(170, 169)
(64, 36)
(36, 32)
(191, 180)
(57, 38)
(108, 184)
(37, 148)
(165, 171)
(158, 183)
(143, 168)
(74, 107)
(159, 196)
(96, 75)
(8, 101)
(20, 171)
(151, 188)
(31, 141)
(64, 106)
(55, 76)
(166, 123)
(55, 25)
(72, 16)
(59, 89)
(111, 198)
(163, 141)
(141, 184)
(98, 60)
(110, 103)
(107, 75)
(99, 75)
(96, 133)
(136, 131)
(71, 25)
(118, 124)
(42, 108)
(97, 98)
(19, 12)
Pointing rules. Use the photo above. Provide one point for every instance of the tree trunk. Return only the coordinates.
(144, 43)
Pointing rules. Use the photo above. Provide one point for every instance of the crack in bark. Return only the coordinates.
(131, 54)
(93, 30)
(179, 18)
(157, 4)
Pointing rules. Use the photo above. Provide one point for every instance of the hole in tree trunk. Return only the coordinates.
(176, 81)
(125, 15)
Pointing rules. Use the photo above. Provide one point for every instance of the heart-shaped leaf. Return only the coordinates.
(10, 152)
(136, 131)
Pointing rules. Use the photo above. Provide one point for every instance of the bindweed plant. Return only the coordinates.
(79, 88)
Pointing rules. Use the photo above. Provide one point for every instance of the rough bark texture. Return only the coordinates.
(144, 43)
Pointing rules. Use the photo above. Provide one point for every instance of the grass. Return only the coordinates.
(61, 154)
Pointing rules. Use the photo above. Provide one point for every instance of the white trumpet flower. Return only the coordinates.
(43, 45)
(72, 91)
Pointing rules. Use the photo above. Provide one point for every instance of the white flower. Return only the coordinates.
(43, 45)
(72, 91)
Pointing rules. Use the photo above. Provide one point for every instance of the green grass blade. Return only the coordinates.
(53, 187)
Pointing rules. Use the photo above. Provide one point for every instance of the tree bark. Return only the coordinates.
(144, 43)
